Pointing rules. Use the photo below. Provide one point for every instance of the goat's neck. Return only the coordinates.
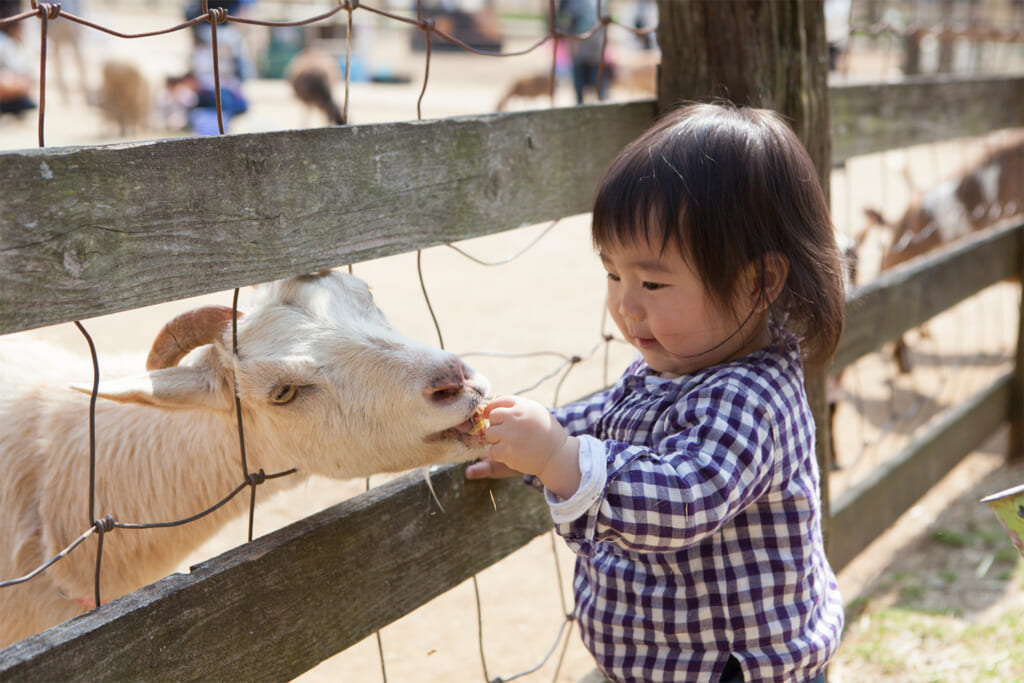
(163, 466)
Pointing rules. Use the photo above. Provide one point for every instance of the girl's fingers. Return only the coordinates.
(480, 470)
(485, 468)
(500, 402)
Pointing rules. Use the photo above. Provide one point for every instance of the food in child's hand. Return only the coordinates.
(480, 423)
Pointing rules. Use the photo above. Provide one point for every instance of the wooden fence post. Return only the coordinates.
(776, 57)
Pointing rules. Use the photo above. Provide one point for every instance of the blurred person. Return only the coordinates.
(17, 76)
(235, 66)
(646, 17)
(837, 31)
(576, 17)
(175, 102)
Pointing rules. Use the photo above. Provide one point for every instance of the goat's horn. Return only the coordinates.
(186, 332)
(317, 275)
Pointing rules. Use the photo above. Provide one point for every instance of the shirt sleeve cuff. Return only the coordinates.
(593, 475)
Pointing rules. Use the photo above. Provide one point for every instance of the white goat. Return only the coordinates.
(975, 197)
(326, 386)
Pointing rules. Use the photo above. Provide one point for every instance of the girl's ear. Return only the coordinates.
(764, 279)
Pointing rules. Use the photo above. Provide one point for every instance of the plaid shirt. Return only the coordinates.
(697, 525)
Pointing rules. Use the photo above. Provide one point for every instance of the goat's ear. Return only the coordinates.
(177, 387)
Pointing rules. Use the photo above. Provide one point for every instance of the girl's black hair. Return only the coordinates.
(726, 185)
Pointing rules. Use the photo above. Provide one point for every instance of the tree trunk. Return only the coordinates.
(765, 53)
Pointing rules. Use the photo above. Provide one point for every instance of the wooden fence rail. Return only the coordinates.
(874, 117)
(83, 233)
(896, 302)
(290, 599)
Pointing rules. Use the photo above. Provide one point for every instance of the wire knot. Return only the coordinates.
(427, 24)
(218, 15)
(257, 478)
(350, 4)
(47, 9)
(104, 525)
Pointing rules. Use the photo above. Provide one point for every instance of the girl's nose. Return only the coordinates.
(629, 307)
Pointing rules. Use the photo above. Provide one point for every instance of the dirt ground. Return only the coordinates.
(940, 597)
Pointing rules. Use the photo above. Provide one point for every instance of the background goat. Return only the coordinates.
(326, 387)
(976, 197)
(639, 76)
(312, 75)
(535, 85)
(124, 98)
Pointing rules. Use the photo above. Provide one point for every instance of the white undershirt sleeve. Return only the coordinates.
(593, 476)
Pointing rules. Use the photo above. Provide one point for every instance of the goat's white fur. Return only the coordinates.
(973, 198)
(368, 401)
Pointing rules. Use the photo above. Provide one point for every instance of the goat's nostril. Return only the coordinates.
(448, 384)
(442, 392)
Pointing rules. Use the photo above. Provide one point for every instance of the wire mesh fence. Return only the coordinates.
(531, 352)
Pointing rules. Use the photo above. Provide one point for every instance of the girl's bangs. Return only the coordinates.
(638, 201)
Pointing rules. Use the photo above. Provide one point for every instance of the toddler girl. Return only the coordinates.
(690, 489)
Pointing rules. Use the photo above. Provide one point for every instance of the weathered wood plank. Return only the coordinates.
(916, 291)
(278, 606)
(874, 117)
(97, 230)
(863, 512)
(90, 231)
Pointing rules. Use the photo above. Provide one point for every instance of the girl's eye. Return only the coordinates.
(652, 286)
(285, 393)
(613, 278)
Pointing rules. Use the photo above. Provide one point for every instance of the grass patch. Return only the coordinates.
(912, 645)
(912, 593)
(950, 538)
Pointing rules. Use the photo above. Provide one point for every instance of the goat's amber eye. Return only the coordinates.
(285, 393)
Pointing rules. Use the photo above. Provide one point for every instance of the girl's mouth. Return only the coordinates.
(645, 342)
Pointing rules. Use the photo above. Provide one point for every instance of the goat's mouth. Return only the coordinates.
(469, 433)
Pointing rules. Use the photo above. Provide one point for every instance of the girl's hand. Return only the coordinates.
(488, 468)
(525, 437)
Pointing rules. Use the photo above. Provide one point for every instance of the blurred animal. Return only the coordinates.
(536, 85)
(636, 77)
(326, 386)
(312, 75)
(125, 98)
(976, 197)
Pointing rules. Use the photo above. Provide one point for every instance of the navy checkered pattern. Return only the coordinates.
(697, 526)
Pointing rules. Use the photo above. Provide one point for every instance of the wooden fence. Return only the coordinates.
(81, 235)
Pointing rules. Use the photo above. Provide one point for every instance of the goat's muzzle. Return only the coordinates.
(448, 385)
